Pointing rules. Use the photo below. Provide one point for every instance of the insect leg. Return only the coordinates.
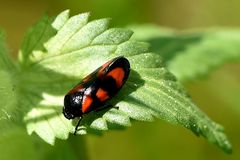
(75, 132)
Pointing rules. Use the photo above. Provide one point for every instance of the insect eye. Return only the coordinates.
(67, 114)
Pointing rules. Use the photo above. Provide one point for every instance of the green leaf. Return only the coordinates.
(8, 95)
(78, 48)
(9, 100)
(34, 39)
(5, 61)
(190, 55)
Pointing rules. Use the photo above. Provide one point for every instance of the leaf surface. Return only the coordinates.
(193, 54)
(77, 49)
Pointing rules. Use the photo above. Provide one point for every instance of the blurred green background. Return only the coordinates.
(218, 95)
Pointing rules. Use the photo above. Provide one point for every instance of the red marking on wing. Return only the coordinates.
(118, 75)
(102, 94)
(76, 89)
(86, 103)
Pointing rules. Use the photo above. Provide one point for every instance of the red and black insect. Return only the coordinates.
(95, 89)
